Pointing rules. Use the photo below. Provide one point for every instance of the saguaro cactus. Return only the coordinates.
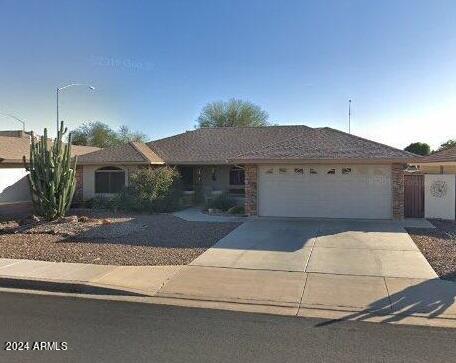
(52, 175)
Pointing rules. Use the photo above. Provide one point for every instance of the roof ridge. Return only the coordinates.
(273, 144)
(170, 137)
(250, 127)
(372, 141)
(227, 128)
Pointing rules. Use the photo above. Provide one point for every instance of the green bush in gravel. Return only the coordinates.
(222, 202)
(238, 209)
(152, 190)
(100, 202)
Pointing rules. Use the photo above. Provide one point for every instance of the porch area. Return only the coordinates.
(204, 182)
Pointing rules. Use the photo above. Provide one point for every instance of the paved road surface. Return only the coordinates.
(120, 331)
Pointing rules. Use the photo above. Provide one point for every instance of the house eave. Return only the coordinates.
(119, 162)
(209, 162)
(435, 163)
(320, 161)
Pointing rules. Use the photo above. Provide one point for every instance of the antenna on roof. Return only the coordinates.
(349, 115)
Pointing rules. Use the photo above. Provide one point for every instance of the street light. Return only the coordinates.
(68, 86)
(15, 118)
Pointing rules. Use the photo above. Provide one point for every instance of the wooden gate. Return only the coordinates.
(414, 195)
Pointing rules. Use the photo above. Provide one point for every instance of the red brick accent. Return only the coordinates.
(251, 190)
(79, 185)
(397, 181)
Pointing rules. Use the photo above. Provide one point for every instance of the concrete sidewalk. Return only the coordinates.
(145, 280)
(303, 294)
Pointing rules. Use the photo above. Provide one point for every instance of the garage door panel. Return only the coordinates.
(363, 193)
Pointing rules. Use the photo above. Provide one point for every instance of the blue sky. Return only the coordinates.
(155, 64)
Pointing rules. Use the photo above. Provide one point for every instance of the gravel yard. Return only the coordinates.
(438, 246)
(103, 238)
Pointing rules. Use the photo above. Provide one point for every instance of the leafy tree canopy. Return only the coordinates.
(420, 148)
(232, 113)
(101, 135)
(447, 144)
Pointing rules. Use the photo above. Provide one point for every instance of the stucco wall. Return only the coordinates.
(439, 196)
(88, 178)
(14, 185)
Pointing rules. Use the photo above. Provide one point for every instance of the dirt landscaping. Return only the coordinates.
(438, 246)
(104, 238)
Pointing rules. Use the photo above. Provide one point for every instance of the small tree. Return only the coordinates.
(448, 144)
(52, 175)
(101, 135)
(232, 113)
(420, 148)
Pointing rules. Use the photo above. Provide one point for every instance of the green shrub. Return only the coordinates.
(238, 209)
(152, 190)
(100, 202)
(222, 202)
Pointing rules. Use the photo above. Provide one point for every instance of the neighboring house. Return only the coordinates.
(290, 171)
(439, 162)
(14, 187)
(437, 186)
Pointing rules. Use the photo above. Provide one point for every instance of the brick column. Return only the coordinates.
(397, 181)
(251, 190)
(79, 185)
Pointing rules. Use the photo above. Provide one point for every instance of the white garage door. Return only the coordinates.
(331, 191)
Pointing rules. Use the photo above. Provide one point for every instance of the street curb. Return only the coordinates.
(86, 290)
(72, 287)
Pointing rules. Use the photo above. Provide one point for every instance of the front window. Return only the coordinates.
(109, 180)
(237, 176)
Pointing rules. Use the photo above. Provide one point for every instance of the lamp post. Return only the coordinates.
(68, 86)
(15, 118)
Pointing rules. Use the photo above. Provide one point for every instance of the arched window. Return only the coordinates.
(109, 179)
(237, 176)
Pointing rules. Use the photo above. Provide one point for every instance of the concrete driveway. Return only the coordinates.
(366, 248)
(336, 268)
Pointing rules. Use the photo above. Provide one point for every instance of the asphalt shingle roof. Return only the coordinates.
(133, 152)
(326, 144)
(216, 145)
(12, 149)
(239, 144)
(441, 156)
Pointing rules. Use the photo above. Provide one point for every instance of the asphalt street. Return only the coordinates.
(100, 330)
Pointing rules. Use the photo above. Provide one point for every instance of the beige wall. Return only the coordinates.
(14, 185)
(88, 177)
(221, 182)
(435, 169)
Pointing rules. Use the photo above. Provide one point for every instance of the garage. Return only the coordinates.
(328, 191)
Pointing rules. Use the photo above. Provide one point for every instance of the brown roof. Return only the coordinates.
(217, 145)
(77, 150)
(446, 155)
(132, 152)
(326, 144)
(241, 144)
(250, 144)
(12, 149)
